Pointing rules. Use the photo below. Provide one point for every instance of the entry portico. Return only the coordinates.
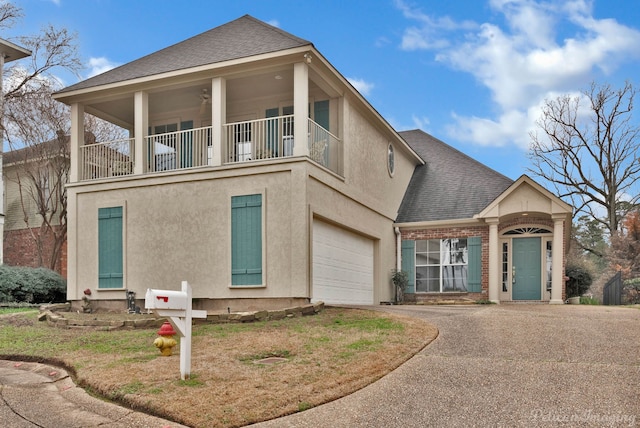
(527, 237)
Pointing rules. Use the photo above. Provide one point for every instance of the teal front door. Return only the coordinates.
(526, 273)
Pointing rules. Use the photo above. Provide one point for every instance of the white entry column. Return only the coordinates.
(557, 256)
(494, 261)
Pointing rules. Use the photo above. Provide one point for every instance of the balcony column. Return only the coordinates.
(140, 131)
(301, 109)
(557, 258)
(77, 140)
(494, 261)
(218, 119)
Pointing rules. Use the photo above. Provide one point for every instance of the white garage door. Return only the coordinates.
(342, 266)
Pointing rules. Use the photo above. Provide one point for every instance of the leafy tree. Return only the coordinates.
(590, 241)
(588, 149)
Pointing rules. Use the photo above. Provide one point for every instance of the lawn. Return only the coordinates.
(326, 356)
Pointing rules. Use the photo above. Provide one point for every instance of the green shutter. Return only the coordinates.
(409, 264)
(110, 257)
(475, 265)
(246, 240)
(321, 113)
(186, 144)
(272, 130)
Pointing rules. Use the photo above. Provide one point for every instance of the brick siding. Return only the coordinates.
(19, 249)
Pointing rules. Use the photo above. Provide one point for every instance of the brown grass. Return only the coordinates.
(328, 355)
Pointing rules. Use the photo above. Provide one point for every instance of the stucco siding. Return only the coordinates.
(181, 231)
(329, 205)
(366, 170)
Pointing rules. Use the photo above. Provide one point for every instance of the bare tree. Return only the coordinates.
(36, 129)
(40, 156)
(40, 159)
(589, 150)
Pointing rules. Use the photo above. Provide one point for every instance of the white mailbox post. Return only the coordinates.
(177, 306)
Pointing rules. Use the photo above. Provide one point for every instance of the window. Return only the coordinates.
(110, 254)
(246, 240)
(548, 264)
(390, 160)
(505, 267)
(441, 265)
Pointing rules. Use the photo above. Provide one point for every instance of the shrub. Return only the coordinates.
(31, 285)
(580, 280)
(631, 291)
(400, 280)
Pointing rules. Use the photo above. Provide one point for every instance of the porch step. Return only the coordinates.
(525, 302)
(435, 301)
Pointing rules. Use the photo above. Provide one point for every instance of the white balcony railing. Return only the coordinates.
(108, 159)
(325, 148)
(178, 150)
(273, 138)
(259, 139)
(243, 142)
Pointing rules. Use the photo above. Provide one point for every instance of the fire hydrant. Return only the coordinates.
(165, 342)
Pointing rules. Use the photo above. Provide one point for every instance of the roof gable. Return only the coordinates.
(241, 38)
(450, 185)
(526, 195)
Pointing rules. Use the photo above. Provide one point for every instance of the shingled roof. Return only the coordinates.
(241, 38)
(450, 185)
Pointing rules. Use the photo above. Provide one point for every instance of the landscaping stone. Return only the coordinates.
(54, 316)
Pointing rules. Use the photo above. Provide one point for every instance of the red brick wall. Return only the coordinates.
(483, 232)
(459, 232)
(19, 249)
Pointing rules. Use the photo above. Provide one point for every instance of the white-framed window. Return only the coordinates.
(548, 264)
(442, 265)
(505, 267)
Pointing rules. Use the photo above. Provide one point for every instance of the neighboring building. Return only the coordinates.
(23, 219)
(256, 172)
(8, 52)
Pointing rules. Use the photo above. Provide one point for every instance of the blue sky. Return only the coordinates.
(472, 73)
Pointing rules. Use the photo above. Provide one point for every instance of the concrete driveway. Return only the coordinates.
(503, 366)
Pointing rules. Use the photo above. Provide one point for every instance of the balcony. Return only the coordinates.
(243, 142)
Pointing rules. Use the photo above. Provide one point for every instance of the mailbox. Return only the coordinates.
(165, 299)
(177, 306)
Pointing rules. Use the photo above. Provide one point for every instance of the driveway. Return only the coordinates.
(503, 366)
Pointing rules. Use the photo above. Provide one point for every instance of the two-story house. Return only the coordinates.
(256, 172)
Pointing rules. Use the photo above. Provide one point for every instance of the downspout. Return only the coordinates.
(398, 249)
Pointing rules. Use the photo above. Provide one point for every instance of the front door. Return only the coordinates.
(526, 269)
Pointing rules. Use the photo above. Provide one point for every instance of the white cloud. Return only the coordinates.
(524, 62)
(420, 122)
(100, 65)
(274, 22)
(361, 85)
(429, 35)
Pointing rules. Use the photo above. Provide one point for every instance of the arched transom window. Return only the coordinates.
(527, 231)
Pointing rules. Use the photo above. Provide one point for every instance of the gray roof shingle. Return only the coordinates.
(241, 38)
(450, 185)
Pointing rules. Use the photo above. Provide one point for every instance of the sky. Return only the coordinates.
(471, 73)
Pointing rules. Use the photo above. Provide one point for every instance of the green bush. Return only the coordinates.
(631, 291)
(31, 285)
(580, 280)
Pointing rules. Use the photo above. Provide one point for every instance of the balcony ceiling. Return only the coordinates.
(188, 97)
